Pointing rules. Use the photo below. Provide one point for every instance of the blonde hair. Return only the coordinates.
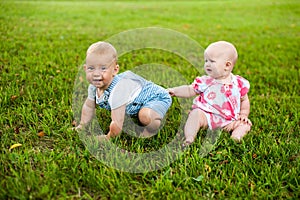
(103, 48)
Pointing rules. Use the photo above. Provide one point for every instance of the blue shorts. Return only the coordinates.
(160, 104)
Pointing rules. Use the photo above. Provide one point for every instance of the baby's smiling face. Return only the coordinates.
(100, 70)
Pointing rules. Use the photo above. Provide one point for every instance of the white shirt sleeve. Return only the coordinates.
(125, 91)
(92, 92)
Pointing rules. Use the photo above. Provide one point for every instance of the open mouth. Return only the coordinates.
(97, 81)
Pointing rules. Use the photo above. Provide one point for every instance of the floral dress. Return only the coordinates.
(220, 102)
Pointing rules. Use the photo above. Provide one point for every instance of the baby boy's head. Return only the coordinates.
(101, 64)
(103, 49)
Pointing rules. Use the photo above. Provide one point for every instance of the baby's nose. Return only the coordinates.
(97, 72)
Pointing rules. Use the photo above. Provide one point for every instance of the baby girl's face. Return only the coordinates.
(215, 64)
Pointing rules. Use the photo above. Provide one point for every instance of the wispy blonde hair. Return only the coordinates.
(227, 48)
(103, 48)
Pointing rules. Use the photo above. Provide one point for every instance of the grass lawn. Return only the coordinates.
(42, 49)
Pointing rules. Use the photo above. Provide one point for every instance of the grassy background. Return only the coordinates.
(42, 45)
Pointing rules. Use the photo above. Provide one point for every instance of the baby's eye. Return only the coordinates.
(103, 68)
(90, 68)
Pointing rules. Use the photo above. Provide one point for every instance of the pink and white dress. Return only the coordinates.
(220, 102)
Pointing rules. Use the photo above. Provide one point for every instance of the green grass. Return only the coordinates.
(43, 44)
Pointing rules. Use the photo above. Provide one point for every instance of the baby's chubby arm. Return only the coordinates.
(183, 91)
(117, 120)
(87, 113)
(245, 110)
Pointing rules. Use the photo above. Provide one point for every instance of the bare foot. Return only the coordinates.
(237, 138)
(147, 134)
(102, 138)
(185, 145)
(239, 132)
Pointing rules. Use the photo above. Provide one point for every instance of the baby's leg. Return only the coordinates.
(195, 121)
(151, 120)
(239, 129)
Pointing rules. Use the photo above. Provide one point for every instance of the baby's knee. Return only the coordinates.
(148, 116)
(198, 117)
(145, 118)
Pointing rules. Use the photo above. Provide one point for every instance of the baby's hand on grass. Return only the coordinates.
(78, 128)
(245, 119)
(75, 126)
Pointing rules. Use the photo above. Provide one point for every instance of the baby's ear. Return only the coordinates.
(116, 69)
(84, 67)
(228, 66)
